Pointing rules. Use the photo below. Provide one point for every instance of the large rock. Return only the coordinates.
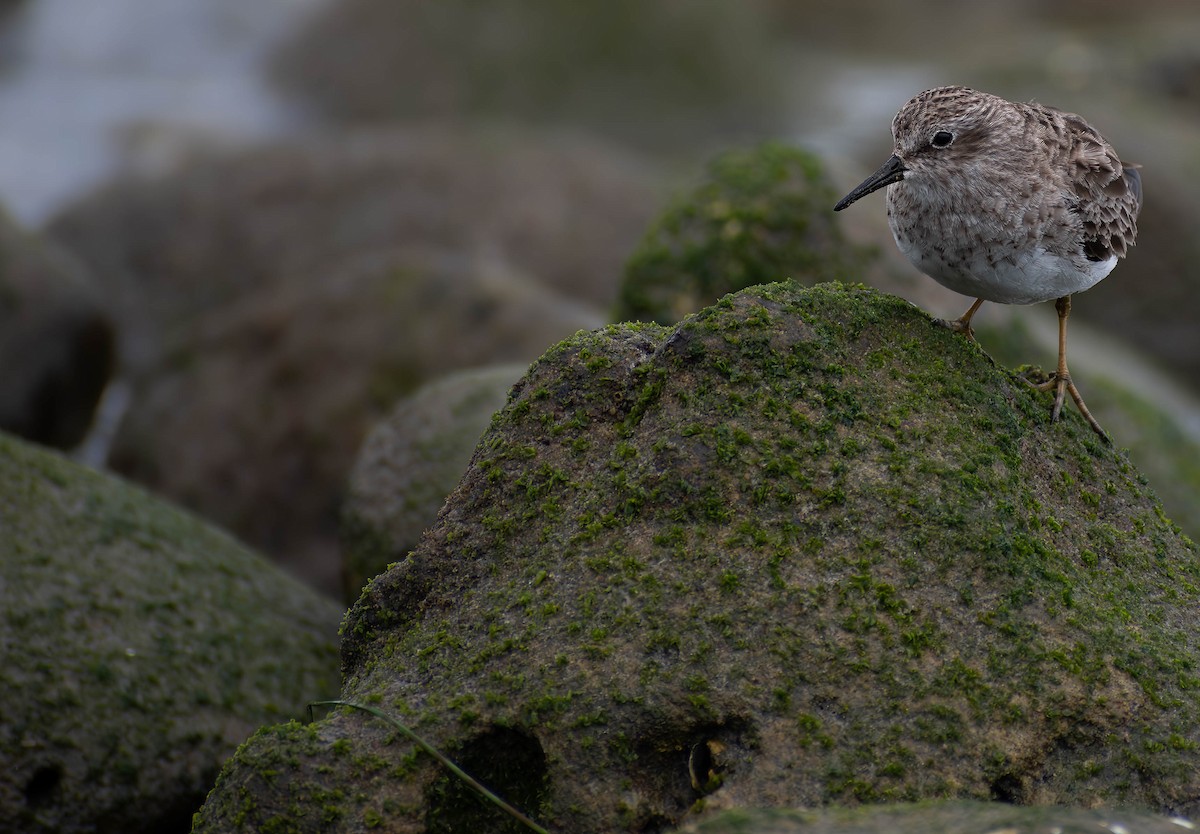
(138, 647)
(274, 304)
(411, 461)
(57, 347)
(565, 210)
(805, 548)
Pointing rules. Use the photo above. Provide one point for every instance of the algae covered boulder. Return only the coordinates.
(805, 548)
(761, 214)
(138, 648)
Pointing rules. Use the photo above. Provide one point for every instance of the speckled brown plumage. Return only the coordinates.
(1009, 202)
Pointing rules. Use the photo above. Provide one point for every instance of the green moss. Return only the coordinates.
(853, 548)
(1156, 443)
(761, 215)
(112, 601)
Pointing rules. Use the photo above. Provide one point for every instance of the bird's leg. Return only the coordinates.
(962, 324)
(1060, 381)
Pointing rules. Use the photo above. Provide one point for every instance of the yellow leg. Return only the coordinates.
(1060, 381)
(962, 324)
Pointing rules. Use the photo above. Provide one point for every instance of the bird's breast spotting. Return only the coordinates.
(1006, 275)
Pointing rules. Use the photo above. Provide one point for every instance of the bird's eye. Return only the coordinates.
(941, 139)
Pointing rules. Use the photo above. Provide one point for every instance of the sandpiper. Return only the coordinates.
(1007, 202)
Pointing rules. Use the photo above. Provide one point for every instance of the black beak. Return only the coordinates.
(888, 173)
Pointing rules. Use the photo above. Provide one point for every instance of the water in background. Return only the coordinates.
(84, 83)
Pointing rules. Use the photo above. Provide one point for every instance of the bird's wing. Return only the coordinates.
(1108, 193)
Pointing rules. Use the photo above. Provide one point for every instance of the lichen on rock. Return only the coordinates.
(805, 548)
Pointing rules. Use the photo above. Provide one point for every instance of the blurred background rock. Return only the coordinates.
(294, 213)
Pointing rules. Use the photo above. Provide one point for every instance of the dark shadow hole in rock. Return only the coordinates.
(1007, 788)
(673, 769)
(655, 824)
(706, 765)
(42, 784)
(511, 764)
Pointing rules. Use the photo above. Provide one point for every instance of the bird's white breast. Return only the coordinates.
(1015, 277)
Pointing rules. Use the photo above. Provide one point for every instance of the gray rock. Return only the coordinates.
(807, 548)
(411, 461)
(257, 420)
(138, 648)
(276, 303)
(565, 211)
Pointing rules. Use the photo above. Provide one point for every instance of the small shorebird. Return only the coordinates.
(1007, 202)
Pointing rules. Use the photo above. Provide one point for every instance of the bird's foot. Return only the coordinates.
(958, 326)
(1062, 385)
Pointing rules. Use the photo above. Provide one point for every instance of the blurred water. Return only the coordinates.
(83, 79)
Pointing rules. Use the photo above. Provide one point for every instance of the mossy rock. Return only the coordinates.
(761, 215)
(411, 461)
(940, 818)
(1157, 444)
(806, 548)
(139, 648)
